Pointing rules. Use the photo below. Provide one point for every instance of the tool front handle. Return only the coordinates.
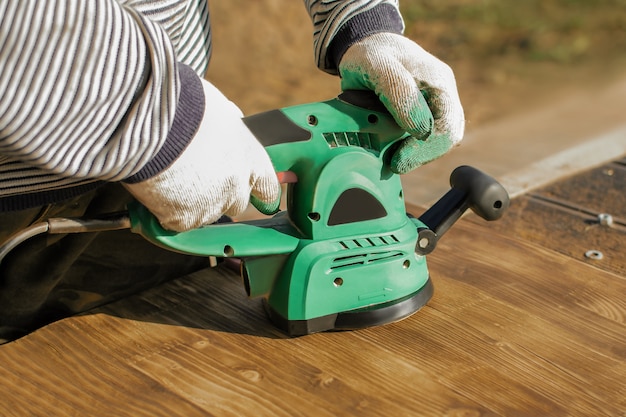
(484, 195)
(230, 239)
(470, 188)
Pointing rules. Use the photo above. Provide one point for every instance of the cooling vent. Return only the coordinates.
(366, 258)
(338, 139)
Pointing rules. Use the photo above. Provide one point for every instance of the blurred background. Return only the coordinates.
(507, 54)
(544, 72)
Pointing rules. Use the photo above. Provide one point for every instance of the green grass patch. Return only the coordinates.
(561, 31)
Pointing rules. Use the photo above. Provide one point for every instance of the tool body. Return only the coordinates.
(345, 254)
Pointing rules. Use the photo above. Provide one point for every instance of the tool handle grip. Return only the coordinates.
(484, 195)
(470, 188)
(239, 239)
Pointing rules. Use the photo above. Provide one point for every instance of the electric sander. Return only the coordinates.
(344, 254)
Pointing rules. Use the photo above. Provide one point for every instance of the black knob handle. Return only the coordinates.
(485, 196)
(470, 188)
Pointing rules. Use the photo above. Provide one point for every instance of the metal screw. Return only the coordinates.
(596, 255)
(605, 219)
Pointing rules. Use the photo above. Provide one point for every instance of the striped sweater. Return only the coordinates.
(108, 90)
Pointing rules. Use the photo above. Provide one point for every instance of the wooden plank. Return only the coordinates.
(513, 329)
(568, 306)
(563, 216)
(204, 357)
(600, 190)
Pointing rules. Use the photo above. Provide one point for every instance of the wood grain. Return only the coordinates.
(514, 329)
(563, 217)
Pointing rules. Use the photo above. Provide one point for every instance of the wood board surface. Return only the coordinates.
(517, 327)
(565, 216)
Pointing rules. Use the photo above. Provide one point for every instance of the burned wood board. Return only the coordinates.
(514, 329)
(583, 217)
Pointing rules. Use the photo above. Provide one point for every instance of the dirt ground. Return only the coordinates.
(263, 55)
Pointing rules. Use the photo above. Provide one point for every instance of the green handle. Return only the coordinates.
(226, 239)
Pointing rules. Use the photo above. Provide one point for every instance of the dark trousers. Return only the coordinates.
(49, 277)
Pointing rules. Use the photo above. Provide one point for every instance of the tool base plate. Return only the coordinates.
(355, 319)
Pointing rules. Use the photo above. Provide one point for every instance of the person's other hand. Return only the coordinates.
(219, 171)
(418, 89)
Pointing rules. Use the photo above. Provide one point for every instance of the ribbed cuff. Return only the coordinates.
(382, 18)
(187, 119)
(42, 198)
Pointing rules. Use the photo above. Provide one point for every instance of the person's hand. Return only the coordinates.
(418, 89)
(219, 171)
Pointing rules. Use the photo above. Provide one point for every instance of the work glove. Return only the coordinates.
(218, 172)
(418, 89)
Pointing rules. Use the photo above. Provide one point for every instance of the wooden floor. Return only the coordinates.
(521, 324)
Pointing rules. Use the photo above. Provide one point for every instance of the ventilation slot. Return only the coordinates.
(348, 261)
(369, 242)
(339, 139)
(364, 259)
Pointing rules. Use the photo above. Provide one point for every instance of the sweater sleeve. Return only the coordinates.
(89, 89)
(337, 24)
(186, 23)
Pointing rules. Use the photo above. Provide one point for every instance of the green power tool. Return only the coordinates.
(345, 254)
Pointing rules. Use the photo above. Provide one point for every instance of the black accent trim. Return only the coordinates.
(387, 312)
(355, 205)
(426, 241)
(377, 315)
(295, 328)
(382, 18)
(365, 99)
(274, 127)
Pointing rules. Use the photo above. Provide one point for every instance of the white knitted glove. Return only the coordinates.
(409, 81)
(216, 174)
